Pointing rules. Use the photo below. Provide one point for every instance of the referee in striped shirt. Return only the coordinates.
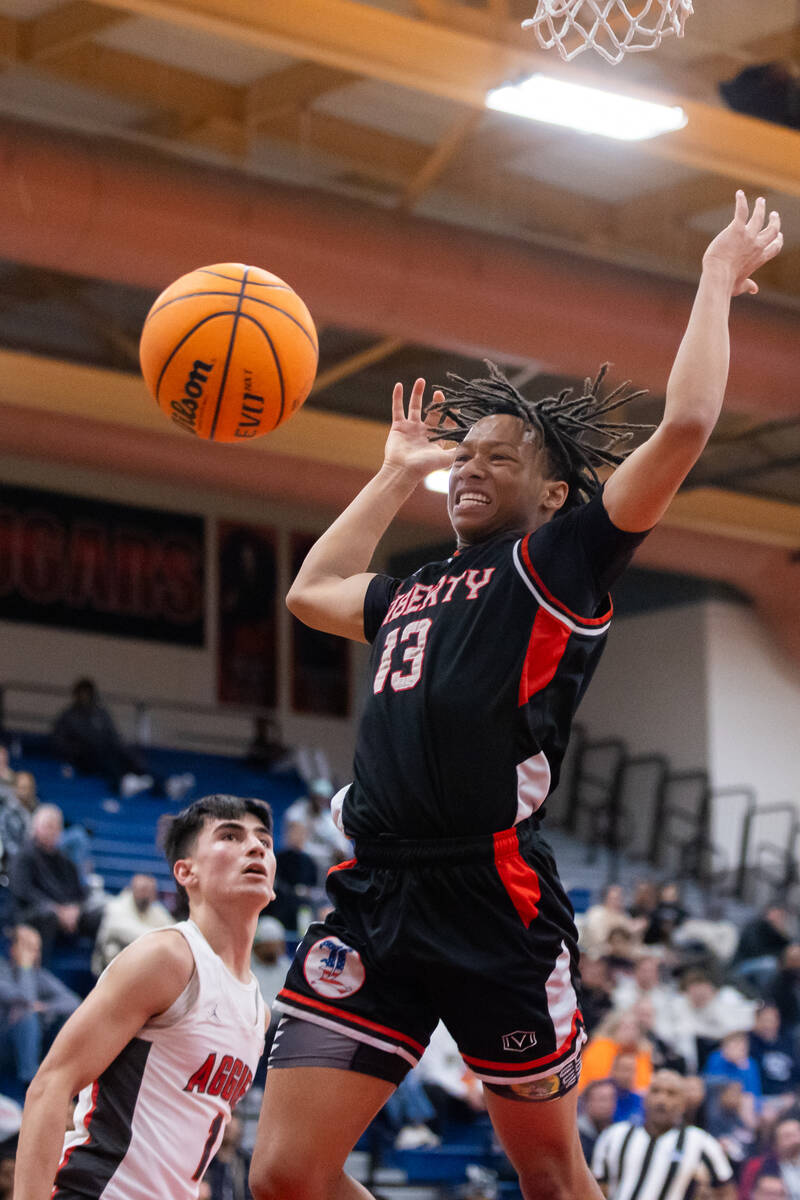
(662, 1159)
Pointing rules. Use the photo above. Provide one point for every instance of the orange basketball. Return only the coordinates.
(229, 352)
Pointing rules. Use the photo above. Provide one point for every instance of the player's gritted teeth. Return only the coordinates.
(472, 499)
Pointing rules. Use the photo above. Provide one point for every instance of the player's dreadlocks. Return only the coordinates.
(573, 430)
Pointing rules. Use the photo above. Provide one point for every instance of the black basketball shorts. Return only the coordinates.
(477, 932)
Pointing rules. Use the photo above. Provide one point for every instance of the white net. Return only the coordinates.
(613, 28)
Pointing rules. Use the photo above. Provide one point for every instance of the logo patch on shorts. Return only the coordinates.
(333, 969)
(538, 1089)
(521, 1039)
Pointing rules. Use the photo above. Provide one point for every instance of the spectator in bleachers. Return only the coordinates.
(668, 914)
(731, 1120)
(266, 751)
(761, 943)
(85, 735)
(8, 1158)
(617, 1032)
(621, 953)
(596, 991)
(704, 1013)
(47, 887)
(10, 1120)
(663, 1156)
(661, 1049)
(769, 1187)
(783, 989)
(269, 961)
(644, 899)
(646, 983)
(629, 1105)
(609, 914)
(136, 910)
(227, 1171)
(326, 843)
(296, 878)
(7, 775)
(781, 1160)
(33, 1004)
(710, 936)
(776, 1057)
(595, 1113)
(732, 1061)
(694, 1088)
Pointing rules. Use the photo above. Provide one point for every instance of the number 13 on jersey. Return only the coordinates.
(413, 638)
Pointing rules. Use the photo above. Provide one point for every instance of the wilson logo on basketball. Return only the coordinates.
(184, 411)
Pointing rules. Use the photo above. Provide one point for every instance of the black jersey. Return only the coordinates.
(477, 667)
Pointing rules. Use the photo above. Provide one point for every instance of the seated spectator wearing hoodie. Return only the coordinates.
(776, 1058)
(47, 887)
(33, 1004)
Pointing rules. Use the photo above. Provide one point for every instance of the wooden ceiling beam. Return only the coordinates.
(451, 64)
(60, 29)
(377, 154)
(291, 89)
(354, 364)
(147, 82)
(440, 158)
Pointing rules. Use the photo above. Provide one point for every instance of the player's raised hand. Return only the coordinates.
(408, 445)
(746, 244)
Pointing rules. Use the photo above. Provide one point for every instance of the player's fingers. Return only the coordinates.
(397, 403)
(773, 248)
(771, 229)
(756, 221)
(741, 212)
(415, 402)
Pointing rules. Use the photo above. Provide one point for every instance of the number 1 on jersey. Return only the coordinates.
(213, 1134)
(416, 632)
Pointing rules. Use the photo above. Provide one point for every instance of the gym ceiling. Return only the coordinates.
(346, 147)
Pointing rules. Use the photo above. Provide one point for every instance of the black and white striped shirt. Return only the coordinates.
(635, 1166)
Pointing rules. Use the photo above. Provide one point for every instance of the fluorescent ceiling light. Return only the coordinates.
(585, 108)
(438, 481)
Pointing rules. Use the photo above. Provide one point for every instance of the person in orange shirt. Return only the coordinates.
(619, 1031)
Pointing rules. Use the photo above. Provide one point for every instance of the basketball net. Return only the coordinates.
(608, 26)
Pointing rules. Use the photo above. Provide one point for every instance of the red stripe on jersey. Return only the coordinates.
(342, 866)
(520, 881)
(526, 558)
(533, 1062)
(546, 647)
(297, 998)
(86, 1123)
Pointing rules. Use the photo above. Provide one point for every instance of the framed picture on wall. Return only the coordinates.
(320, 661)
(247, 642)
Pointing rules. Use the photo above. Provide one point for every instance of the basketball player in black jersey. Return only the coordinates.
(452, 907)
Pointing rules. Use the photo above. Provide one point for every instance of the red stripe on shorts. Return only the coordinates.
(533, 1062)
(520, 880)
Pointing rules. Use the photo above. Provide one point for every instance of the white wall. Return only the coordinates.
(154, 670)
(650, 686)
(754, 720)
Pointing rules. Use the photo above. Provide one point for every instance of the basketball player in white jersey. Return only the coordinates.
(169, 1039)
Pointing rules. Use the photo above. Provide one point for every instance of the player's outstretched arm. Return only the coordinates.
(143, 980)
(329, 590)
(639, 492)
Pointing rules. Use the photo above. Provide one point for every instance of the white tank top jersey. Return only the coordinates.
(149, 1126)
